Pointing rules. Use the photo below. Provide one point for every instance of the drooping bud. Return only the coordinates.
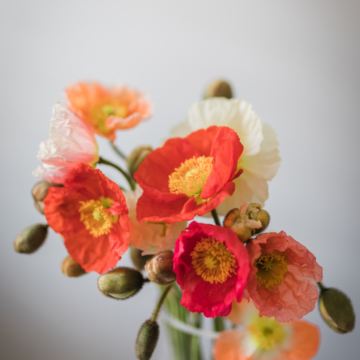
(336, 310)
(219, 88)
(247, 221)
(136, 157)
(71, 268)
(120, 283)
(160, 268)
(146, 340)
(41, 189)
(31, 239)
(139, 260)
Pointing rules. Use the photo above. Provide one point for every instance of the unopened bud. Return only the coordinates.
(336, 310)
(41, 189)
(160, 268)
(31, 239)
(219, 88)
(139, 260)
(120, 283)
(39, 205)
(71, 268)
(136, 157)
(146, 340)
(247, 221)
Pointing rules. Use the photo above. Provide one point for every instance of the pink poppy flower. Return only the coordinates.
(283, 277)
(212, 268)
(71, 142)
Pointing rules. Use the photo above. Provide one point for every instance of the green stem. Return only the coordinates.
(118, 151)
(216, 217)
(321, 286)
(160, 302)
(219, 324)
(126, 175)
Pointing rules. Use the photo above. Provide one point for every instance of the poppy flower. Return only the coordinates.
(90, 213)
(150, 237)
(71, 142)
(188, 177)
(260, 159)
(211, 267)
(283, 277)
(108, 109)
(265, 339)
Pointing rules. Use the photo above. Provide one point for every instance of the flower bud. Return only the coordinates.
(41, 189)
(219, 88)
(247, 221)
(120, 283)
(71, 268)
(31, 239)
(39, 205)
(139, 260)
(136, 157)
(160, 268)
(146, 340)
(336, 310)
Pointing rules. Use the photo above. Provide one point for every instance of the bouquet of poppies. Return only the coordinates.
(255, 284)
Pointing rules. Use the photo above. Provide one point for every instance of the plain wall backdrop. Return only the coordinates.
(296, 61)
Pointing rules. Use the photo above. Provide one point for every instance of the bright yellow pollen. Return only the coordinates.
(103, 109)
(213, 261)
(267, 333)
(191, 176)
(93, 215)
(272, 269)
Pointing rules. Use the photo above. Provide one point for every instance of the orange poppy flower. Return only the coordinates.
(108, 109)
(90, 213)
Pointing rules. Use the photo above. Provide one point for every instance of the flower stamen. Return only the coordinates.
(95, 218)
(213, 261)
(272, 269)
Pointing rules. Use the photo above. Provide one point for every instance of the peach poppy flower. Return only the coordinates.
(264, 339)
(108, 109)
(150, 237)
(71, 142)
(283, 277)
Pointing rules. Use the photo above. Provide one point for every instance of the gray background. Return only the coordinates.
(296, 61)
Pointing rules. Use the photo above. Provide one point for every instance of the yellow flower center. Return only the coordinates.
(213, 261)
(267, 333)
(191, 176)
(103, 109)
(93, 215)
(272, 269)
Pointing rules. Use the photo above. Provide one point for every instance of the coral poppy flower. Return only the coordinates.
(108, 109)
(283, 278)
(188, 177)
(150, 237)
(212, 267)
(260, 159)
(91, 215)
(71, 141)
(265, 339)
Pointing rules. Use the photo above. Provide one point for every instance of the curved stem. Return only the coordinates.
(126, 175)
(216, 217)
(160, 302)
(321, 286)
(118, 151)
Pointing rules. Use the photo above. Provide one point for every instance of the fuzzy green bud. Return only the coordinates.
(31, 239)
(219, 88)
(120, 283)
(136, 157)
(336, 310)
(160, 268)
(139, 260)
(146, 340)
(71, 268)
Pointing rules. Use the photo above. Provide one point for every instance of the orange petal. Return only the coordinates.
(228, 346)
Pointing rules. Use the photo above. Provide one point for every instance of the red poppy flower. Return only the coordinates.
(212, 267)
(190, 176)
(90, 213)
(283, 277)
